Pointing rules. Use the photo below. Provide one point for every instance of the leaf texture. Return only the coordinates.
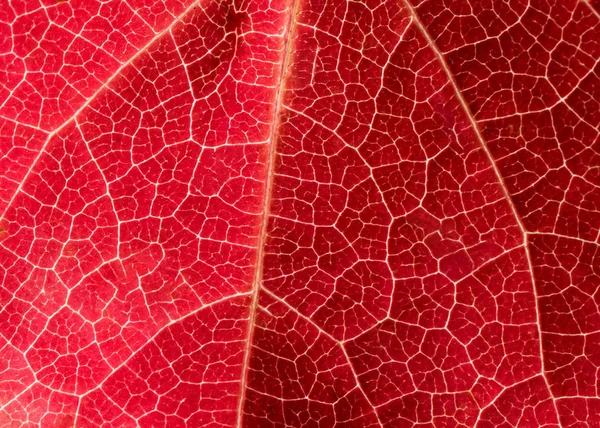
(300, 213)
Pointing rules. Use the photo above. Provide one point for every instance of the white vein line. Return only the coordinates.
(160, 331)
(115, 75)
(334, 340)
(561, 236)
(485, 148)
(262, 237)
(589, 5)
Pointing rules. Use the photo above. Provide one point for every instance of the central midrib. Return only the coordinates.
(270, 178)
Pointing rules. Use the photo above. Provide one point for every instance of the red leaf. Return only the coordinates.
(294, 213)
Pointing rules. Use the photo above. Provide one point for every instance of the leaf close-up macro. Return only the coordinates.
(299, 213)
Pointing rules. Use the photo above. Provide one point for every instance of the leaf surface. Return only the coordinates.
(302, 213)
